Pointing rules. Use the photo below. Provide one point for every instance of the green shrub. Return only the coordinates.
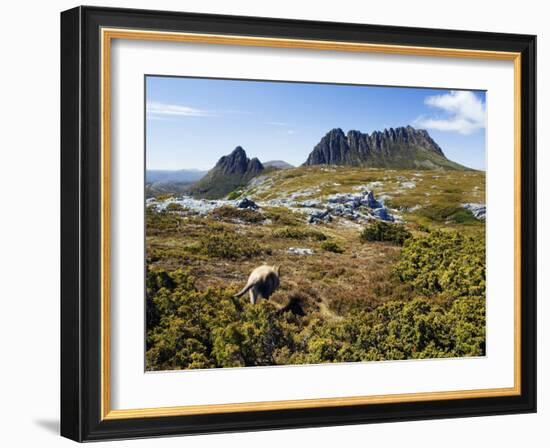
(444, 263)
(331, 246)
(174, 207)
(228, 213)
(160, 222)
(224, 244)
(423, 228)
(447, 213)
(188, 328)
(234, 195)
(282, 216)
(299, 234)
(463, 216)
(397, 330)
(383, 231)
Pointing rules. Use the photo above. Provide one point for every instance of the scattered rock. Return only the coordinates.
(310, 203)
(303, 193)
(283, 202)
(478, 210)
(358, 206)
(246, 203)
(414, 208)
(370, 185)
(383, 214)
(319, 216)
(300, 251)
(408, 184)
(361, 206)
(199, 206)
(203, 206)
(370, 201)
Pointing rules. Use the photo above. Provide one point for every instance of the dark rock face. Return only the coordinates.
(247, 203)
(403, 147)
(333, 149)
(238, 163)
(230, 172)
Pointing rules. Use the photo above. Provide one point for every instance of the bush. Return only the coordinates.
(234, 195)
(447, 213)
(444, 263)
(224, 244)
(331, 246)
(299, 234)
(463, 216)
(174, 207)
(397, 330)
(188, 328)
(228, 213)
(160, 222)
(282, 216)
(383, 231)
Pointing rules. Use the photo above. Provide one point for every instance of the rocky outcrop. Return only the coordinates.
(478, 210)
(246, 203)
(359, 207)
(300, 251)
(230, 172)
(399, 148)
(201, 207)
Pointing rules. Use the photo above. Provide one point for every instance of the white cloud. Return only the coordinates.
(463, 111)
(156, 109)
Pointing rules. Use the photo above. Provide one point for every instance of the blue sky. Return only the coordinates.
(191, 123)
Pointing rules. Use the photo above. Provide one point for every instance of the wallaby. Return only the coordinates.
(262, 282)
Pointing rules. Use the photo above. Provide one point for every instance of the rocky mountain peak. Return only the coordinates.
(231, 171)
(402, 147)
(237, 162)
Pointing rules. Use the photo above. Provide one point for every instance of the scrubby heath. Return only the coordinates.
(357, 284)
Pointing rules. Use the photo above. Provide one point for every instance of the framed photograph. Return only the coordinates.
(274, 223)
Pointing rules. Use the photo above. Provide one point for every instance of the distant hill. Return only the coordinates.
(230, 172)
(159, 182)
(278, 164)
(399, 148)
(167, 176)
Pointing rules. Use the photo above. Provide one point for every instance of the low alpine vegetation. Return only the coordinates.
(233, 214)
(445, 263)
(386, 232)
(228, 245)
(297, 233)
(331, 246)
(189, 328)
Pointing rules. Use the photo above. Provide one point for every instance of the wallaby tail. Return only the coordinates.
(244, 290)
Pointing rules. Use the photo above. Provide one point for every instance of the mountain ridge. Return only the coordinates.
(181, 175)
(397, 148)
